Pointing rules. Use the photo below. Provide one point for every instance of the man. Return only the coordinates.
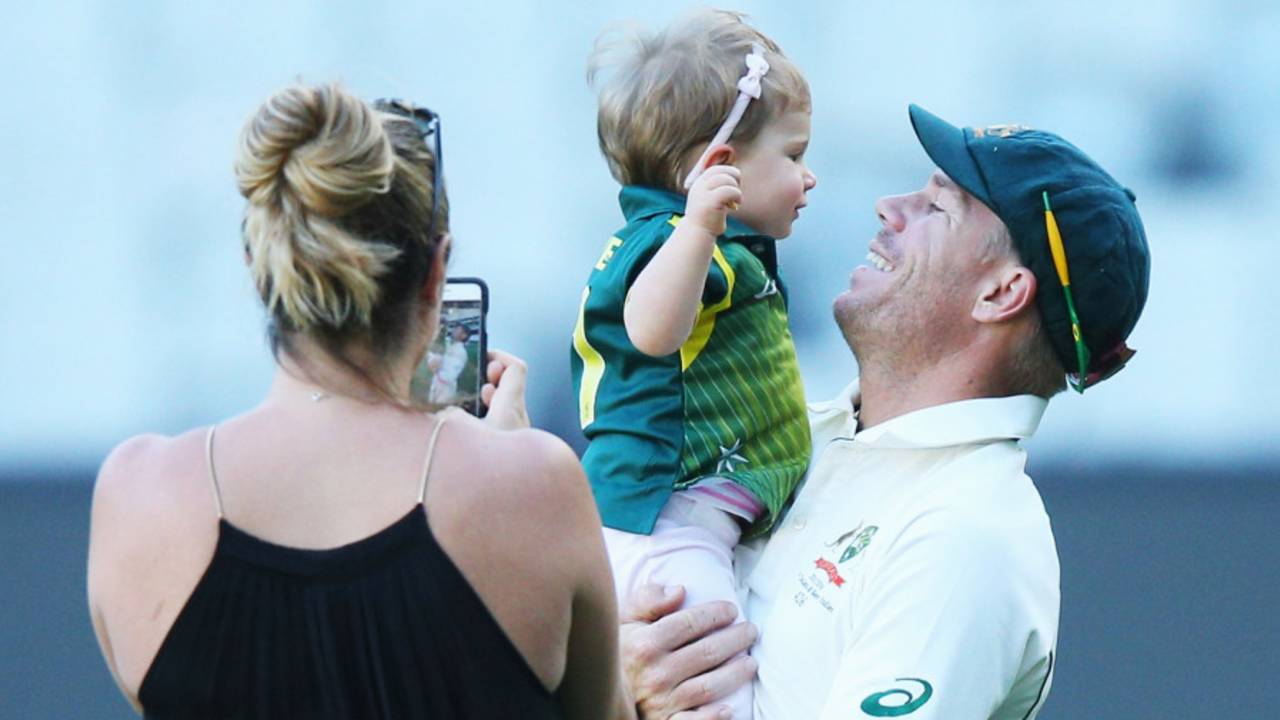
(448, 365)
(915, 573)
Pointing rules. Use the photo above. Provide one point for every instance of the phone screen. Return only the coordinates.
(452, 371)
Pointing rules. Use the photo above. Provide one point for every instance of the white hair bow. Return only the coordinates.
(748, 89)
(757, 68)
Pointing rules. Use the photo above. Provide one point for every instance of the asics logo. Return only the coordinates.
(902, 702)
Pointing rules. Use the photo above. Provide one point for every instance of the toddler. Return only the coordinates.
(683, 362)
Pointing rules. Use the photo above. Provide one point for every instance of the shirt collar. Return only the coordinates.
(837, 417)
(956, 423)
(640, 202)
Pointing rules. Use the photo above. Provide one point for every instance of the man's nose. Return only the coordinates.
(810, 180)
(890, 211)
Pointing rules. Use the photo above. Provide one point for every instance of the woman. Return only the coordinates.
(337, 551)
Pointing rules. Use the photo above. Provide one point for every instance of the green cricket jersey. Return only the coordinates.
(729, 404)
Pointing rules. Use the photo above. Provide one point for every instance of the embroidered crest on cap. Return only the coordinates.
(1003, 131)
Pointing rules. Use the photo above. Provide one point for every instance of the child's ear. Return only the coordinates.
(722, 154)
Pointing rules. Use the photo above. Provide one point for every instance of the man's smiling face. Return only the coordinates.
(920, 281)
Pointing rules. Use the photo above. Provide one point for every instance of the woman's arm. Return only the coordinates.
(104, 644)
(670, 665)
(592, 686)
(592, 680)
(110, 529)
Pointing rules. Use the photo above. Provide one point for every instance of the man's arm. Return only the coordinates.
(677, 661)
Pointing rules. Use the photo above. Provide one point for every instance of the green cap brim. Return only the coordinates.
(948, 148)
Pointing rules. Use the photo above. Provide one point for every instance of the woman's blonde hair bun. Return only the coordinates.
(309, 157)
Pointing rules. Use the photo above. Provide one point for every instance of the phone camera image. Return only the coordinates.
(452, 373)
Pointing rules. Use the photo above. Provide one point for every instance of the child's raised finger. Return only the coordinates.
(729, 170)
(729, 196)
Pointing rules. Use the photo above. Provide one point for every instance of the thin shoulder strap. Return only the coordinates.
(213, 476)
(431, 451)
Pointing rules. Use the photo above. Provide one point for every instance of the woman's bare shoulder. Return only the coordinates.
(525, 466)
(528, 483)
(150, 468)
(147, 491)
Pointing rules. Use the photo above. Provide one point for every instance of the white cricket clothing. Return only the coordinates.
(444, 385)
(915, 575)
(691, 545)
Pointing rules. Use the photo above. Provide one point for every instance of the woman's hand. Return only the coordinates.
(503, 394)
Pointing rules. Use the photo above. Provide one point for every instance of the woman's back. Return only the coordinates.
(325, 590)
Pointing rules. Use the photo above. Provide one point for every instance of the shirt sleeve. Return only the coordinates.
(637, 251)
(939, 631)
(634, 253)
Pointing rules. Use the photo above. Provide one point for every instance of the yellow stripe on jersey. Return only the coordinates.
(706, 322)
(592, 365)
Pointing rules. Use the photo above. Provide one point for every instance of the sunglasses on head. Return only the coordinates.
(1114, 359)
(428, 125)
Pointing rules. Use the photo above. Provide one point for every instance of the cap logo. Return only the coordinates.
(1003, 131)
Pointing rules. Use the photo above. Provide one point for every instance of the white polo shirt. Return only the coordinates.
(915, 574)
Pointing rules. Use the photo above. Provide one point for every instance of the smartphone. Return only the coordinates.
(452, 372)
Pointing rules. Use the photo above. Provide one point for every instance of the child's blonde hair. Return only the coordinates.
(666, 93)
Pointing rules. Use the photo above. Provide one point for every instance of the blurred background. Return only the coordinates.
(125, 306)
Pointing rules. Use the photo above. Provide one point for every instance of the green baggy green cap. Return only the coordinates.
(1010, 169)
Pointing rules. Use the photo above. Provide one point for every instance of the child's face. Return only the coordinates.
(774, 176)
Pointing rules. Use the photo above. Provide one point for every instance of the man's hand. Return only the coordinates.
(674, 661)
(713, 195)
(503, 394)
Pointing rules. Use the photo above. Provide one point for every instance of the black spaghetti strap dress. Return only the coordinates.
(386, 627)
(383, 628)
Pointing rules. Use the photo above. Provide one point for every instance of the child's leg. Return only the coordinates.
(692, 545)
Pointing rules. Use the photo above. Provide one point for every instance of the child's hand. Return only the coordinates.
(713, 195)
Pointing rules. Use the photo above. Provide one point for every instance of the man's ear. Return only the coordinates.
(433, 288)
(1006, 293)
